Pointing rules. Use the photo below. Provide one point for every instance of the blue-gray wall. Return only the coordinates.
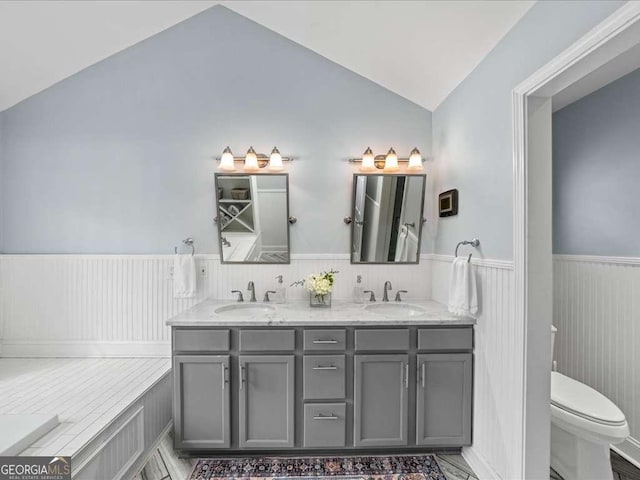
(472, 127)
(119, 158)
(596, 170)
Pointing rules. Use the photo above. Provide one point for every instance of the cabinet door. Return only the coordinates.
(201, 401)
(380, 400)
(266, 401)
(444, 399)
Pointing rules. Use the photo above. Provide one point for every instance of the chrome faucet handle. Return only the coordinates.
(372, 298)
(240, 297)
(266, 296)
(398, 299)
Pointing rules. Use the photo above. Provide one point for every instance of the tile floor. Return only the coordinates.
(622, 469)
(165, 465)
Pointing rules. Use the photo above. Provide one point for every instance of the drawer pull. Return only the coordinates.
(224, 375)
(325, 367)
(423, 374)
(243, 378)
(406, 376)
(325, 342)
(326, 417)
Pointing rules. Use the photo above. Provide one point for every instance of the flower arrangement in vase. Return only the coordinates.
(319, 286)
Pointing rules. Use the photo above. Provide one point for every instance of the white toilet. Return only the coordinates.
(584, 423)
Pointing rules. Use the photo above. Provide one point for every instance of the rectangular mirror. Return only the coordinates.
(253, 213)
(387, 218)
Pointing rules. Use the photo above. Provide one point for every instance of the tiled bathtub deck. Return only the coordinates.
(87, 394)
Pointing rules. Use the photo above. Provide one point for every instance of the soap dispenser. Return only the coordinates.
(281, 291)
(358, 295)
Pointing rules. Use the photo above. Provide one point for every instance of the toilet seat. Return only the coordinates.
(580, 408)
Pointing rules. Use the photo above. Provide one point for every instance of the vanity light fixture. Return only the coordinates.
(226, 161)
(391, 162)
(415, 161)
(252, 162)
(368, 161)
(388, 163)
(275, 161)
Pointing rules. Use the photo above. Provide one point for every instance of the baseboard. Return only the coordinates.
(630, 450)
(479, 465)
(35, 348)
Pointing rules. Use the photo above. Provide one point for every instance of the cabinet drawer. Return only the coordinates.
(200, 340)
(267, 340)
(324, 377)
(437, 339)
(324, 424)
(325, 339)
(387, 339)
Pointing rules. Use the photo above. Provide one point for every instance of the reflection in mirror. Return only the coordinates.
(387, 218)
(252, 217)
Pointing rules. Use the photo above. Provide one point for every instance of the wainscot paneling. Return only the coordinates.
(498, 363)
(117, 305)
(597, 312)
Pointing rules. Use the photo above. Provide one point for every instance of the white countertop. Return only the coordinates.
(300, 314)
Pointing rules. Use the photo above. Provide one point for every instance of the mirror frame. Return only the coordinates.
(421, 219)
(217, 175)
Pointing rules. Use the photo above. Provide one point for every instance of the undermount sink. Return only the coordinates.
(244, 309)
(403, 309)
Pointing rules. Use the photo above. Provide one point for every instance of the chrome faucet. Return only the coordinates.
(266, 298)
(387, 287)
(251, 287)
(372, 296)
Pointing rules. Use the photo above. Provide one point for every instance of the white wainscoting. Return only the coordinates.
(498, 363)
(117, 305)
(597, 312)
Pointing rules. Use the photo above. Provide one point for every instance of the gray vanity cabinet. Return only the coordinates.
(201, 401)
(381, 400)
(443, 404)
(266, 406)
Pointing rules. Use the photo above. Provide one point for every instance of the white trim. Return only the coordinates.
(39, 348)
(585, 55)
(629, 450)
(598, 259)
(482, 262)
(479, 465)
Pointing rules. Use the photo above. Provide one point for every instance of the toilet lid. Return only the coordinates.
(582, 400)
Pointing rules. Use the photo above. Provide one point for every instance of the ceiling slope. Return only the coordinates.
(420, 50)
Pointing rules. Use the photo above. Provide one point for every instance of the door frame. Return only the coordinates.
(532, 253)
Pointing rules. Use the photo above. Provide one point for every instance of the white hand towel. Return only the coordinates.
(401, 245)
(463, 291)
(184, 276)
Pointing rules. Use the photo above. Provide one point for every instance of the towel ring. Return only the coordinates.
(187, 241)
(474, 243)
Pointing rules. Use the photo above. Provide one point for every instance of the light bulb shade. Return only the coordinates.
(275, 161)
(391, 161)
(368, 159)
(415, 161)
(251, 161)
(226, 161)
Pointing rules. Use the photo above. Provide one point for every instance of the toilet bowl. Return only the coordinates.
(584, 423)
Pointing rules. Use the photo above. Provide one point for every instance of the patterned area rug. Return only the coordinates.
(409, 467)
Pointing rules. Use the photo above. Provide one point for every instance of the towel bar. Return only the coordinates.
(474, 243)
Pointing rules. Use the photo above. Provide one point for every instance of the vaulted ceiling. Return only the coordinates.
(420, 50)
